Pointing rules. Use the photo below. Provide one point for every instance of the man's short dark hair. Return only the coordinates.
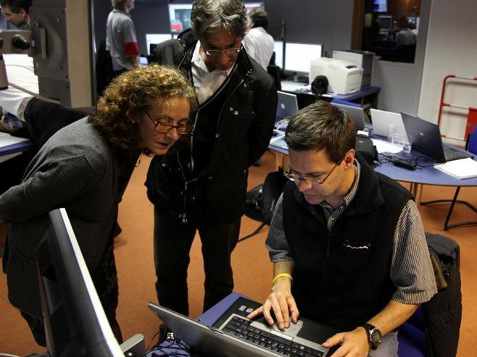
(258, 18)
(17, 5)
(321, 126)
(208, 16)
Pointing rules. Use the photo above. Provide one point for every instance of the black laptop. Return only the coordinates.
(235, 335)
(425, 138)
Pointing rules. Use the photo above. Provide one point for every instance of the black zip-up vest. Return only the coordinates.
(342, 277)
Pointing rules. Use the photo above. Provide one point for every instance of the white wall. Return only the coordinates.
(451, 49)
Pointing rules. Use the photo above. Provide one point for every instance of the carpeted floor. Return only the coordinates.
(252, 269)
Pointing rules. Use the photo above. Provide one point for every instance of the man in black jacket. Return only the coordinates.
(347, 243)
(201, 184)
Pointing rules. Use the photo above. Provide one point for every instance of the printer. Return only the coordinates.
(343, 77)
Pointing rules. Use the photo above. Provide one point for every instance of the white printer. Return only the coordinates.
(343, 77)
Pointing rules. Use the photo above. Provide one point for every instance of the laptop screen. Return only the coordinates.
(287, 104)
(424, 136)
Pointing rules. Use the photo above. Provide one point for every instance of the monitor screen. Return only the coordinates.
(75, 322)
(156, 38)
(380, 5)
(278, 49)
(179, 17)
(299, 55)
(252, 5)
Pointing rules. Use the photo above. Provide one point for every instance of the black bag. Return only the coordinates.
(261, 200)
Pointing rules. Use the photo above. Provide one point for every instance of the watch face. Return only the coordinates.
(375, 337)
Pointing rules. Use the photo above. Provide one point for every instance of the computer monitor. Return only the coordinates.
(252, 5)
(380, 5)
(74, 319)
(155, 39)
(179, 17)
(278, 49)
(299, 55)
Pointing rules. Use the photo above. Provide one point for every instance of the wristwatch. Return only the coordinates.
(374, 336)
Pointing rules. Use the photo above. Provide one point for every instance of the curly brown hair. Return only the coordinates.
(124, 102)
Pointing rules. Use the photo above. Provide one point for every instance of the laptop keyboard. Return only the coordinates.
(242, 329)
(451, 153)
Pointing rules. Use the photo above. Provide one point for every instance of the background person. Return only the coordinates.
(121, 40)
(201, 186)
(347, 243)
(258, 42)
(81, 168)
(17, 13)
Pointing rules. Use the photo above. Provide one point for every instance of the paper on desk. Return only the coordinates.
(7, 139)
(461, 169)
(386, 146)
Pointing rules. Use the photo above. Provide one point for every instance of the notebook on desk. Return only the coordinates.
(239, 337)
(425, 137)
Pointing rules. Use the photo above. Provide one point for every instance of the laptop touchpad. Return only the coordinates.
(291, 331)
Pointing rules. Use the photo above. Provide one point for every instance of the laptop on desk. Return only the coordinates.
(382, 120)
(287, 104)
(425, 137)
(356, 113)
(234, 335)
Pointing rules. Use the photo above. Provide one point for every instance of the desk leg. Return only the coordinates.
(416, 191)
(280, 161)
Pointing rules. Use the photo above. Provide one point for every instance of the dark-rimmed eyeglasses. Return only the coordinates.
(234, 51)
(313, 179)
(165, 124)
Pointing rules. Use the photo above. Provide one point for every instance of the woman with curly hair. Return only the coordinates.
(81, 168)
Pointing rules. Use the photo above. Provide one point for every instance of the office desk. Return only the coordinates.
(11, 146)
(427, 175)
(367, 95)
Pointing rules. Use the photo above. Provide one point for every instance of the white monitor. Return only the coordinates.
(299, 55)
(252, 5)
(278, 49)
(155, 38)
(179, 17)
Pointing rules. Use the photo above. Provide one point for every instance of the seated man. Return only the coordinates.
(347, 243)
(84, 168)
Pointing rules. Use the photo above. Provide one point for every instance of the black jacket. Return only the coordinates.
(216, 191)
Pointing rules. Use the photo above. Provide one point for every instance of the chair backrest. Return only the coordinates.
(471, 145)
(471, 124)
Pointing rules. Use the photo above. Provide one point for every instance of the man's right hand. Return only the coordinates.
(282, 303)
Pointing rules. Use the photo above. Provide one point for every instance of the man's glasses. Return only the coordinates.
(165, 124)
(229, 52)
(314, 179)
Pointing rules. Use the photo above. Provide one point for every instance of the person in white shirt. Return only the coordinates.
(121, 41)
(258, 42)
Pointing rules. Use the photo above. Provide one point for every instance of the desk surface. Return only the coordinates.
(427, 175)
(11, 146)
(296, 87)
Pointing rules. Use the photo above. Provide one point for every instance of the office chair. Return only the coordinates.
(471, 146)
(434, 329)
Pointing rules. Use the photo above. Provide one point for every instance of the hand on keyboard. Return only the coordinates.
(281, 303)
(353, 343)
